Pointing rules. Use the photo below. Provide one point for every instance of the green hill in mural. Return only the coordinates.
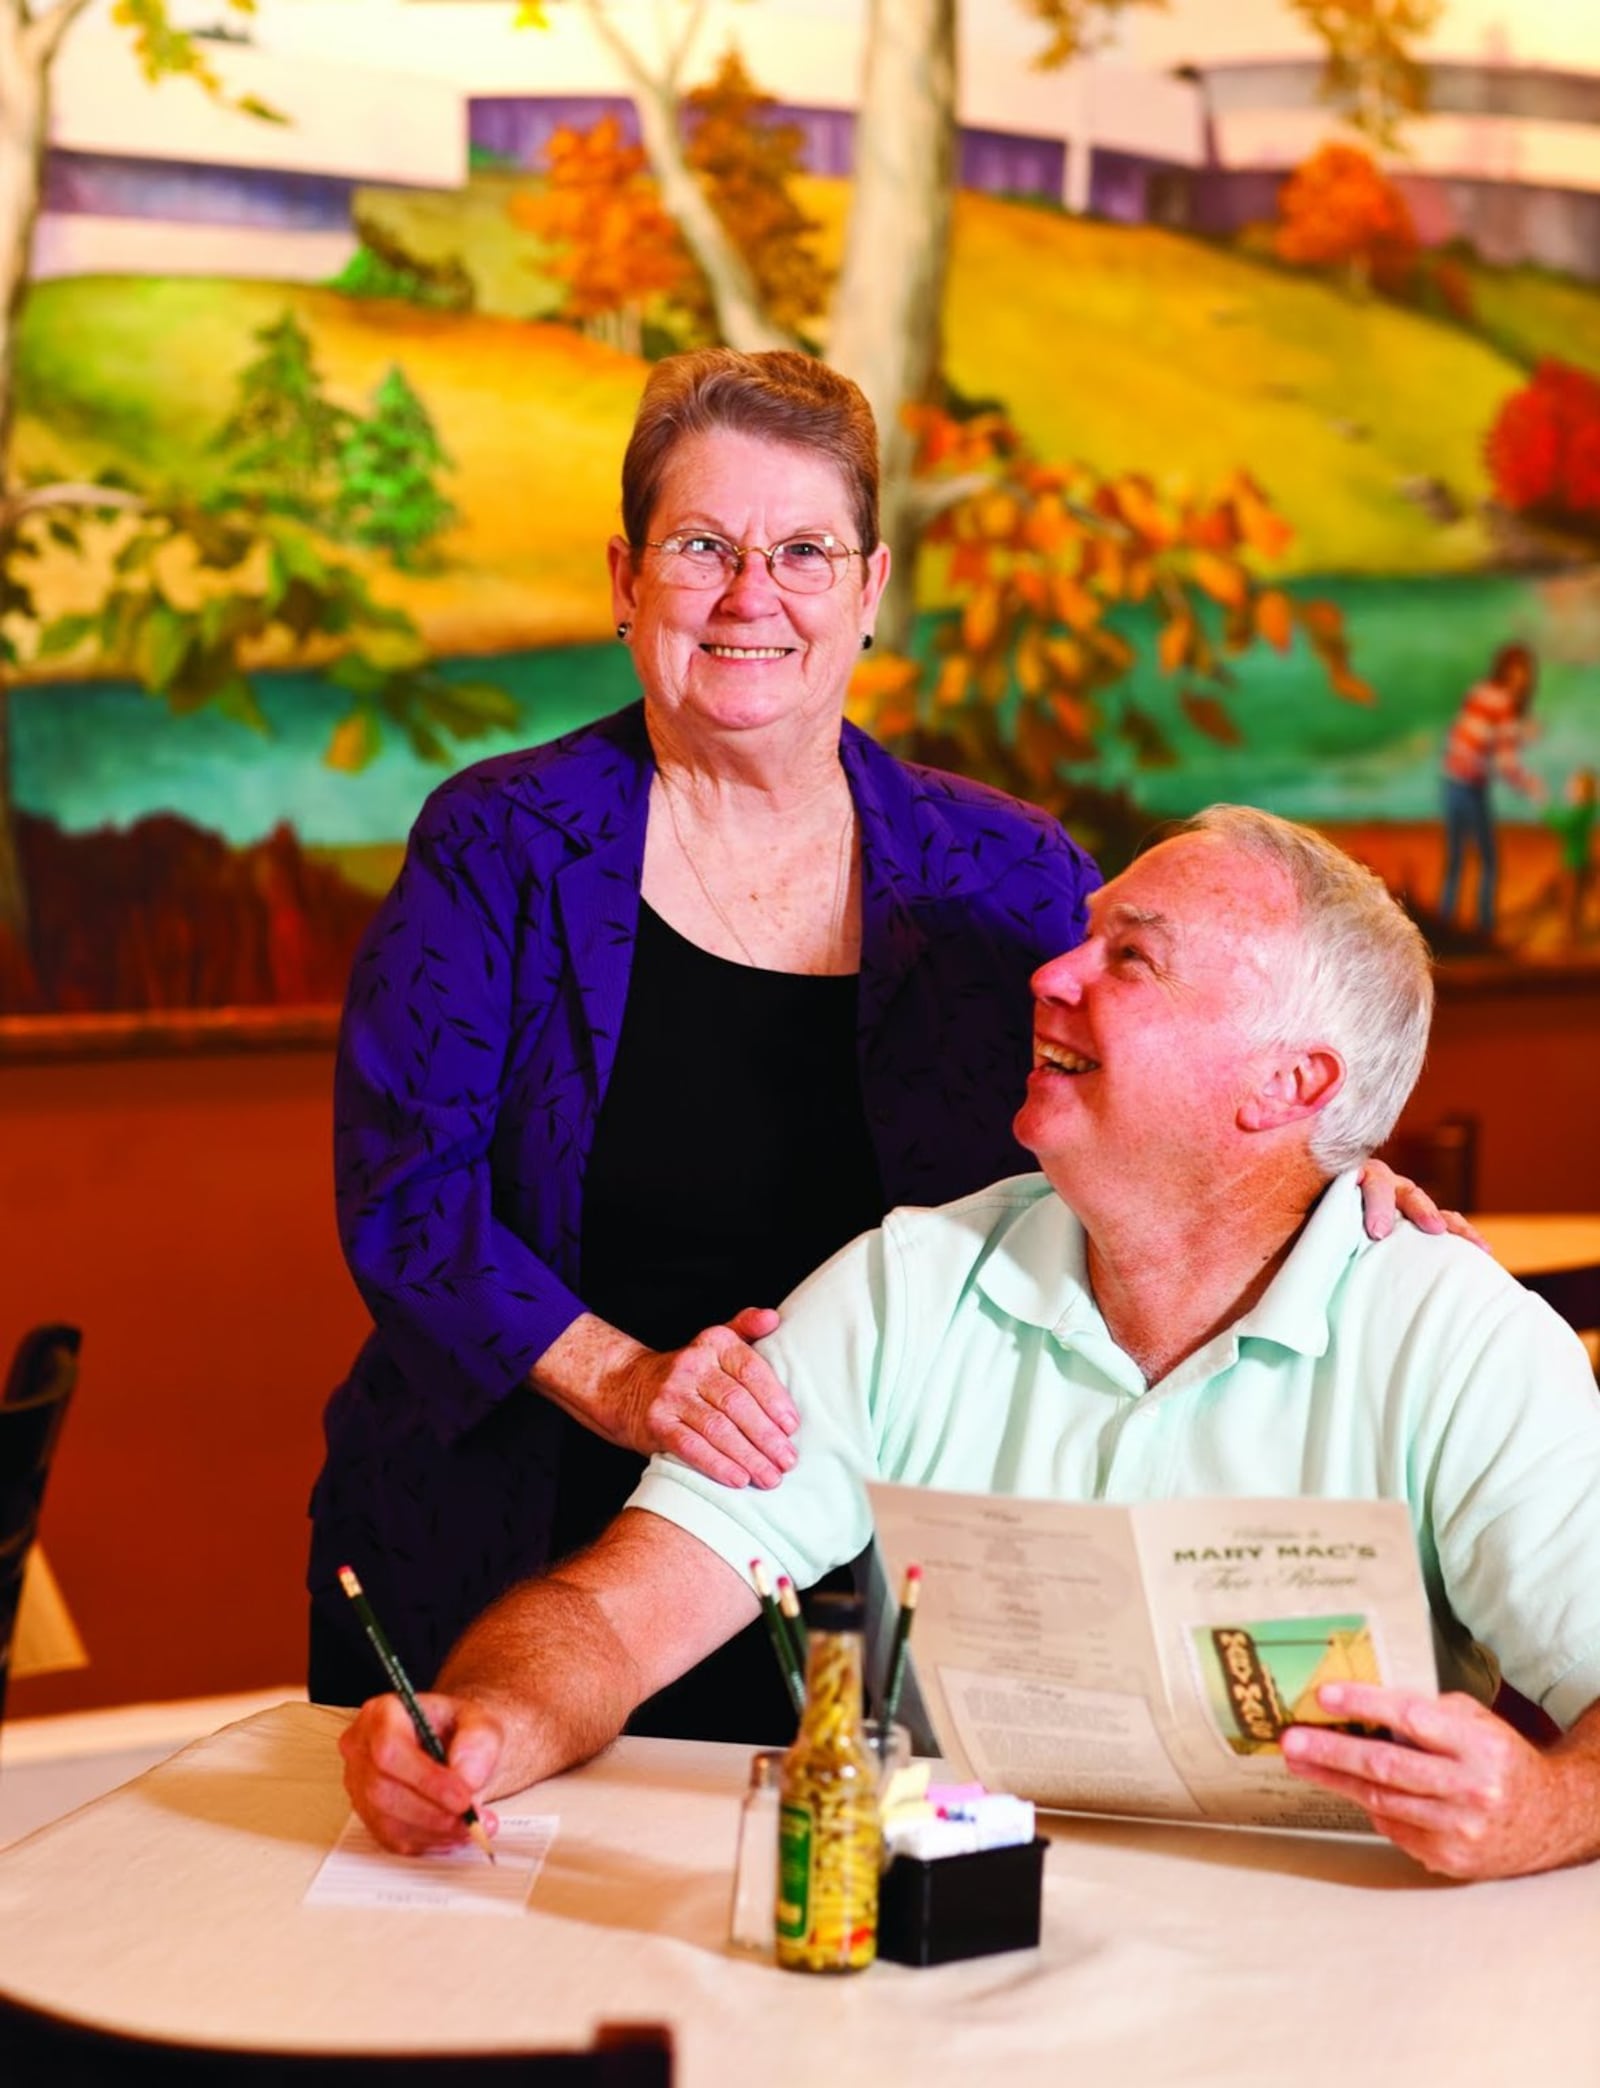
(1130, 347)
(1138, 349)
(134, 375)
(1529, 313)
(1133, 347)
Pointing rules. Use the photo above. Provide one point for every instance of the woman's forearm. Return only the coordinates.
(584, 1372)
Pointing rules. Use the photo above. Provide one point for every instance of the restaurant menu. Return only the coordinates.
(1144, 1660)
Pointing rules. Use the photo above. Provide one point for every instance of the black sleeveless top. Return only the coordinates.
(730, 1157)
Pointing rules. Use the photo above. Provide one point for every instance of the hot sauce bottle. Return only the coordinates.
(829, 1834)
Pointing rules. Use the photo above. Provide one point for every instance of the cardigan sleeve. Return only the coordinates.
(463, 1306)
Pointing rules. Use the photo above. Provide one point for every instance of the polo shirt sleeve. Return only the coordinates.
(834, 1353)
(1513, 1477)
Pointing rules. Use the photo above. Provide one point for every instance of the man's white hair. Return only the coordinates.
(1357, 977)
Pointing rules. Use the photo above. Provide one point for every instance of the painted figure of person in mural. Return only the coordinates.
(1486, 740)
(1572, 821)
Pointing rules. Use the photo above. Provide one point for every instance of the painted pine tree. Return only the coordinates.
(389, 499)
(284, 437)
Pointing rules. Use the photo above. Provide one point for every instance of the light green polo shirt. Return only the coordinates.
(961, 1348)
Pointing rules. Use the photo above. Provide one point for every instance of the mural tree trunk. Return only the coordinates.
(27, 49)
(740, 319)
(886, 327)
(887, 330)
(28, 46)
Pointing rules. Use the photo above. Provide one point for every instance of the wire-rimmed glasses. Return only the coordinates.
(805, 564)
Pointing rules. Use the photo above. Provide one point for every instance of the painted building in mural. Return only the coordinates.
(143, 180)
(1507, 156)
(161, 180)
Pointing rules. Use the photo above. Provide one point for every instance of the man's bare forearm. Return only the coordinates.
(561, 1662)
(547, 1661)
(1577, 1756)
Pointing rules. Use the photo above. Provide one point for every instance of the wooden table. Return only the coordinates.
(173, 1908)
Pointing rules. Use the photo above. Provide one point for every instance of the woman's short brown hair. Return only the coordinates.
(779, 395)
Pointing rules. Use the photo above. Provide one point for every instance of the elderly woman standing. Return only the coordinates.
(656, 1018)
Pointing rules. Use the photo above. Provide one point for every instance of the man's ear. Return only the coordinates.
(1291, 1088)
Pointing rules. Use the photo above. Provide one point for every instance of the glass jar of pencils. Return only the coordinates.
(829, 1833)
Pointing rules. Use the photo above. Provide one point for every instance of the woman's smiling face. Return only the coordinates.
(746, 653)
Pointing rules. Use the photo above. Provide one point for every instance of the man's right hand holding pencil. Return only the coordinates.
(411, 1802)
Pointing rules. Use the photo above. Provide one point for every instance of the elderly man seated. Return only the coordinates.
(1183, 1302)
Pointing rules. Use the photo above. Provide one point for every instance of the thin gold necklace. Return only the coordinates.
(839, 877)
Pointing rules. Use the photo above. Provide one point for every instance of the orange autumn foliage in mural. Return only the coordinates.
(1027, 677)
(1338, 210)
(746, 161)
(615, 248)
(620, 253)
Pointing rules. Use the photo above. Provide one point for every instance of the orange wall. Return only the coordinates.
(1526, 1064)
(178, 1209)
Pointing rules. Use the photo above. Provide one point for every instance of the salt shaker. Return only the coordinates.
(755, 1866)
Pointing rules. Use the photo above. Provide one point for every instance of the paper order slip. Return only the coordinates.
(358, 1872)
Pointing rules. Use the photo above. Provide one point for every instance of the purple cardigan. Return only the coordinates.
(478, 1037)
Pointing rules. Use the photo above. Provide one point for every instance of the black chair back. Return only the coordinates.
(1574, 1293)
(32, 1408)
(58, 2053)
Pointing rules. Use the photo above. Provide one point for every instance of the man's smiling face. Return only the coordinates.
(1146, 1037)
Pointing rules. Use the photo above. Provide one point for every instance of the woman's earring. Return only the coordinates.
(866, 641)
(623, 629)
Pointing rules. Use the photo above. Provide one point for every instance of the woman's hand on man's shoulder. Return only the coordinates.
(714, 1403)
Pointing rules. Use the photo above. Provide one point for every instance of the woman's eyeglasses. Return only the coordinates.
(800, 564)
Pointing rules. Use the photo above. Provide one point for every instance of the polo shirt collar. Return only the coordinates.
(1038, 1273)
(1294, 1309)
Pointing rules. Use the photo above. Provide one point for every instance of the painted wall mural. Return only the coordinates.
(1240, 387)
